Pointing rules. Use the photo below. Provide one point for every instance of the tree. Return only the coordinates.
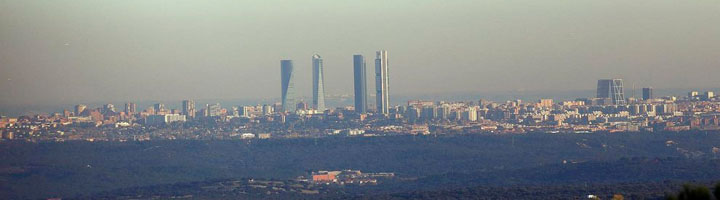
(618, 197)
(693, 192)
(717, 191)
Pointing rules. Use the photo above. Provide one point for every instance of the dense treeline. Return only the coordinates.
(623, 170)
(525, 185)
(225, 189)
(642, 190)
(696, 192)
(38, 170)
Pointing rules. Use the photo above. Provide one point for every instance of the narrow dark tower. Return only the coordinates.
(360, 77)
(647, 93)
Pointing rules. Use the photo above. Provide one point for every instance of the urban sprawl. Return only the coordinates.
(609, 111)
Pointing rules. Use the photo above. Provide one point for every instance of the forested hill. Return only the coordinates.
(41, 170)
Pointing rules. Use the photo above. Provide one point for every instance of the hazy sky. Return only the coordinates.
(81, 51)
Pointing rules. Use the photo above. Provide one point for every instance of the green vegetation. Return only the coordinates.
(43, 170)
(695, 192)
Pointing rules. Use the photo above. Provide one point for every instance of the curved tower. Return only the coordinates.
(287, 85)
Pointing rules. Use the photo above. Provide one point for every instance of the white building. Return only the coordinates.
(247, 136)
(164, 119)
(470, 114)
(353, 131)
(318, 83)
(245, 111)
(267, 109)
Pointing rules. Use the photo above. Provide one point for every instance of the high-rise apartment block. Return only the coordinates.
(79, 109)
(188, 108)
(159, 107)
(130, 108)
(108, 108)
(214, 110)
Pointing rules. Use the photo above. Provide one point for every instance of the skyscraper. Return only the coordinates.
(234, 111)
(709, 95)
(360, 77)
(245, 111)
(267, 109)
(318, 83)
(693, 95)
(130, 108)
(647, 93)
(188, 108)
(108, 108)
(159, 107)
(381, 82)
(214, 110)
(79, 109)
(287, 85)
(611, 89)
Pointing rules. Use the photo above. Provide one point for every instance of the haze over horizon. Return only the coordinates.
(92, 51)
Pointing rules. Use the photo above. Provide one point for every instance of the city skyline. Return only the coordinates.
(609, 92)
(336, 100)
(609, 104)
(372, 99)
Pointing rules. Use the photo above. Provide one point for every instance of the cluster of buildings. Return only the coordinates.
(382, 80)
(349, 177)
(608, 111)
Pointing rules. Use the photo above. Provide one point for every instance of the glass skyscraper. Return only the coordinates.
(381, 82)
(287, 85)
(360, 77)
(318, 83)
(611, 89)
(647, 93)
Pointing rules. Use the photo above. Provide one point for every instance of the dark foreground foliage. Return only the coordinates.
(696, 192)
(645, 190)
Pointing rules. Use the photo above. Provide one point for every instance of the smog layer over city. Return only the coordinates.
(321, 99)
